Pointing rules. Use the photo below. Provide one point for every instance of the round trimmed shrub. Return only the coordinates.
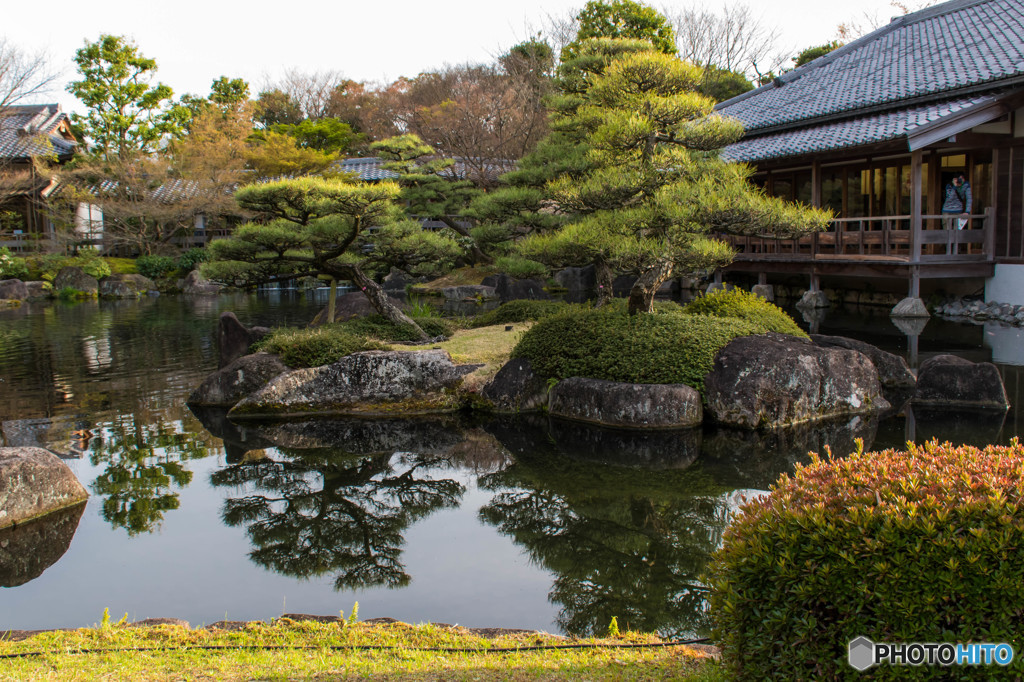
(607, 343)
(522, 310)
(155, 267)
(915, 546)
(745, 306)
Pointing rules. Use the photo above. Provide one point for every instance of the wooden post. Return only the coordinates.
(916, 224)
(816, 184)
(915, 282)
(815, 282)
(762, 278)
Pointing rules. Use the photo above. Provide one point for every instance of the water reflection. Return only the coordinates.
(620, 541)
(28, 549)
(142, 464)
(334, 512)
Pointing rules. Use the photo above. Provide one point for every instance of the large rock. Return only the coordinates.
(352, 305)
(13, 289)
(577, 279)
(34, 482)
(946, 380)
(28, 549)
(36, 290)
(509, 288)
(195, 284)
(237, 380)
(71, 277)
(125, 286)
(893, 371)
(910, 307)
(234, 338)
(777, 380)
(611, 403)
(461, 293)
(515, 388)
(371, 383)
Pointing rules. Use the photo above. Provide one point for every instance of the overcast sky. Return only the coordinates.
(195, 41)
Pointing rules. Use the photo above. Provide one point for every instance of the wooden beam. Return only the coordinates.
(916, 187)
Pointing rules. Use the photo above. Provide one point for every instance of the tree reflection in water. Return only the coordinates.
(623, 542)
(327, 511)
(143, 463)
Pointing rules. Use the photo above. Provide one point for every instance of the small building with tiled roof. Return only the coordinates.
(28, 132)
(877, 130)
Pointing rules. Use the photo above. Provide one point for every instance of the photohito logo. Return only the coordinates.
(863, 653)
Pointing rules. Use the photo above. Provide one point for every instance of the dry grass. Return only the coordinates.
(487, 346)
(327, 651)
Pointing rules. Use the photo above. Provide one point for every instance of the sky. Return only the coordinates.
(195, 41)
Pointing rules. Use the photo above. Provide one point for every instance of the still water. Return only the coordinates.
(530, 523)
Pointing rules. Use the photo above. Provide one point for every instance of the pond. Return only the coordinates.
(496, 522)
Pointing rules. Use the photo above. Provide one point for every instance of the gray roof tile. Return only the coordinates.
(929, 53)
(27, 131)
(849, 133)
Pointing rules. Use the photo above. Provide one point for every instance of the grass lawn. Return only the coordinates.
(489, 346)
(309, 650)
(456, 278)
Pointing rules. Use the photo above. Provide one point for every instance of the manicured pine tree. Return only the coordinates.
(331, 228)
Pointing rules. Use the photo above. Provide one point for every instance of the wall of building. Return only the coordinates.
(1006, 285)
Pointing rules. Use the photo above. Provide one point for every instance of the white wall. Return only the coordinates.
(1006, 285)
(1007, 343)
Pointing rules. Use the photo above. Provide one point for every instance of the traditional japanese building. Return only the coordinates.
(26, 133)
(875, 131)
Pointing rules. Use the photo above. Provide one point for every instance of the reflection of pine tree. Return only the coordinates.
(622, 542)
(331, 512)
(143, 462)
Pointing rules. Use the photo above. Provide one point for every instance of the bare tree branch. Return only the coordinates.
(23, 75)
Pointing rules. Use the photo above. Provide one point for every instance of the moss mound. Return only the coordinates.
(744, 305)
(606, 343)
(518, 311)
(315, 347)
(329, 343)
(915, 546)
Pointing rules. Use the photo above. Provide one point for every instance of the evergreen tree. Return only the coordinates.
(656, 192)
(332, 228)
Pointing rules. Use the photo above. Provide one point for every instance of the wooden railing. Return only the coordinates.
(943, 238)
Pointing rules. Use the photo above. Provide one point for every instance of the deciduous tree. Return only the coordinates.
(126, 112)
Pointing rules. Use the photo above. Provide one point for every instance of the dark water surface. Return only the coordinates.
(530, 522)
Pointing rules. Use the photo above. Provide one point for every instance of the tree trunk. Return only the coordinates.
(331, 300)
(641, 296)
(605, 282)
(380, 301)
(478, 255)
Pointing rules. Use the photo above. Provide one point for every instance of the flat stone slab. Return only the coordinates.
(35, 482)
(371, 383)
(611, 403)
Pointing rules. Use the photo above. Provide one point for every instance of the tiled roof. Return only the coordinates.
(849, 133)
(25, 130)
(953, 50)
(372, 168)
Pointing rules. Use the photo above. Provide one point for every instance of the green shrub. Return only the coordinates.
(518, 311)
(915, 546)
(314, 347)
(11, 266)
(607, 343)
(122, 266)
(745, 306)
(71, 294)
(155, 267)
(188, 261)
(521, 268)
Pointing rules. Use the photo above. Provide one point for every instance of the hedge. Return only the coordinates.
(607, 343)
(744, 305)
(518, 311)
(915, 546)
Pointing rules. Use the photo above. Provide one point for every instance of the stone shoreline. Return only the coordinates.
(976, 310)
